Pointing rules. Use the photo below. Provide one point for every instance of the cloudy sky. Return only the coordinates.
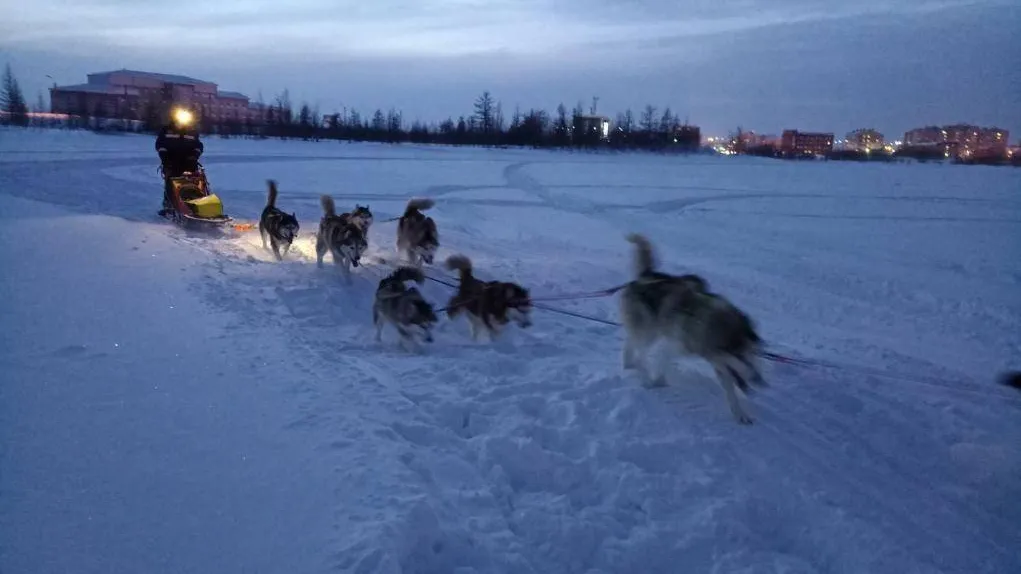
(765, 65)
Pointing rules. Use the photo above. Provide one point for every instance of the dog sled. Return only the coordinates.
(190, 203)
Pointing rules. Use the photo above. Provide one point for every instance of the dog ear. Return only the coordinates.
(508, 292)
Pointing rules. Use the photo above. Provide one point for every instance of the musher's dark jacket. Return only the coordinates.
(179, 149)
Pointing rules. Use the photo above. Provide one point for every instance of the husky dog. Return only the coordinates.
(360, 216)
(682, 310)
(340, 236)
(280, 227)
(417, 238)
(403, 307)
(489, 304)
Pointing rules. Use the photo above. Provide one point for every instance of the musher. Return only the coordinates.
(179, 148)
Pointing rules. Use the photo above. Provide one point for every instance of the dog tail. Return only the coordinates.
(408, 274)
(329, 209)
(418, 204)
(271, 201)
(644, 258)
(460, 263)
(1011, 379)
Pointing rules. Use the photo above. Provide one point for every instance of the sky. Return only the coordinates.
(763, 65)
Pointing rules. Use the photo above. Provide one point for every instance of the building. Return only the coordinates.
(867, 140)
(929, 135)
(754, 140)
(129, 94)
(960, 140)
(687, 138)
(804, 144)
(994, 140)
(744, 141)
(590, 129)
(964, 141)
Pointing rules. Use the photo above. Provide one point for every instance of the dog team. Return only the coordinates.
(654, 305)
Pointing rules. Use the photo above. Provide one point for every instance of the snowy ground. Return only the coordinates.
(175, 403)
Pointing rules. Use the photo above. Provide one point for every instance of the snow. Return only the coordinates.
(171, 402)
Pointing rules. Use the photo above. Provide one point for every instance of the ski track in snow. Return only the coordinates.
(535, 453)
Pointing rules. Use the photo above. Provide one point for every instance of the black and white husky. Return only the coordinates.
(340, 236)
(696, 322)
(361, 216)
(403, 307)
(417, 238)
(279, 226)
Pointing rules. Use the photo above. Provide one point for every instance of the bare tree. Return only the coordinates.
(561, 129)
(498, 119)
(666, 127)
(578, 111)
(285, 113)
(395, 125)
(648, 124)
(623, 135)
(484, 110)
(305, 122)
(378, 124)
(648, 121)
(317, 123)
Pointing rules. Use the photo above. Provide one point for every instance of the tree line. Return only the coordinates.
(488, 124)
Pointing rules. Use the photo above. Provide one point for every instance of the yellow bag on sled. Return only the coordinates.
(208, 206)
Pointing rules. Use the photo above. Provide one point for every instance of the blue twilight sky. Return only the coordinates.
(762, 64)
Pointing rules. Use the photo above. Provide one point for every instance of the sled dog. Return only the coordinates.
(361, 216)
(696, 322)
(417, 238)
(279, 226)
(489, 304)
(341, 237)
(403, 307)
